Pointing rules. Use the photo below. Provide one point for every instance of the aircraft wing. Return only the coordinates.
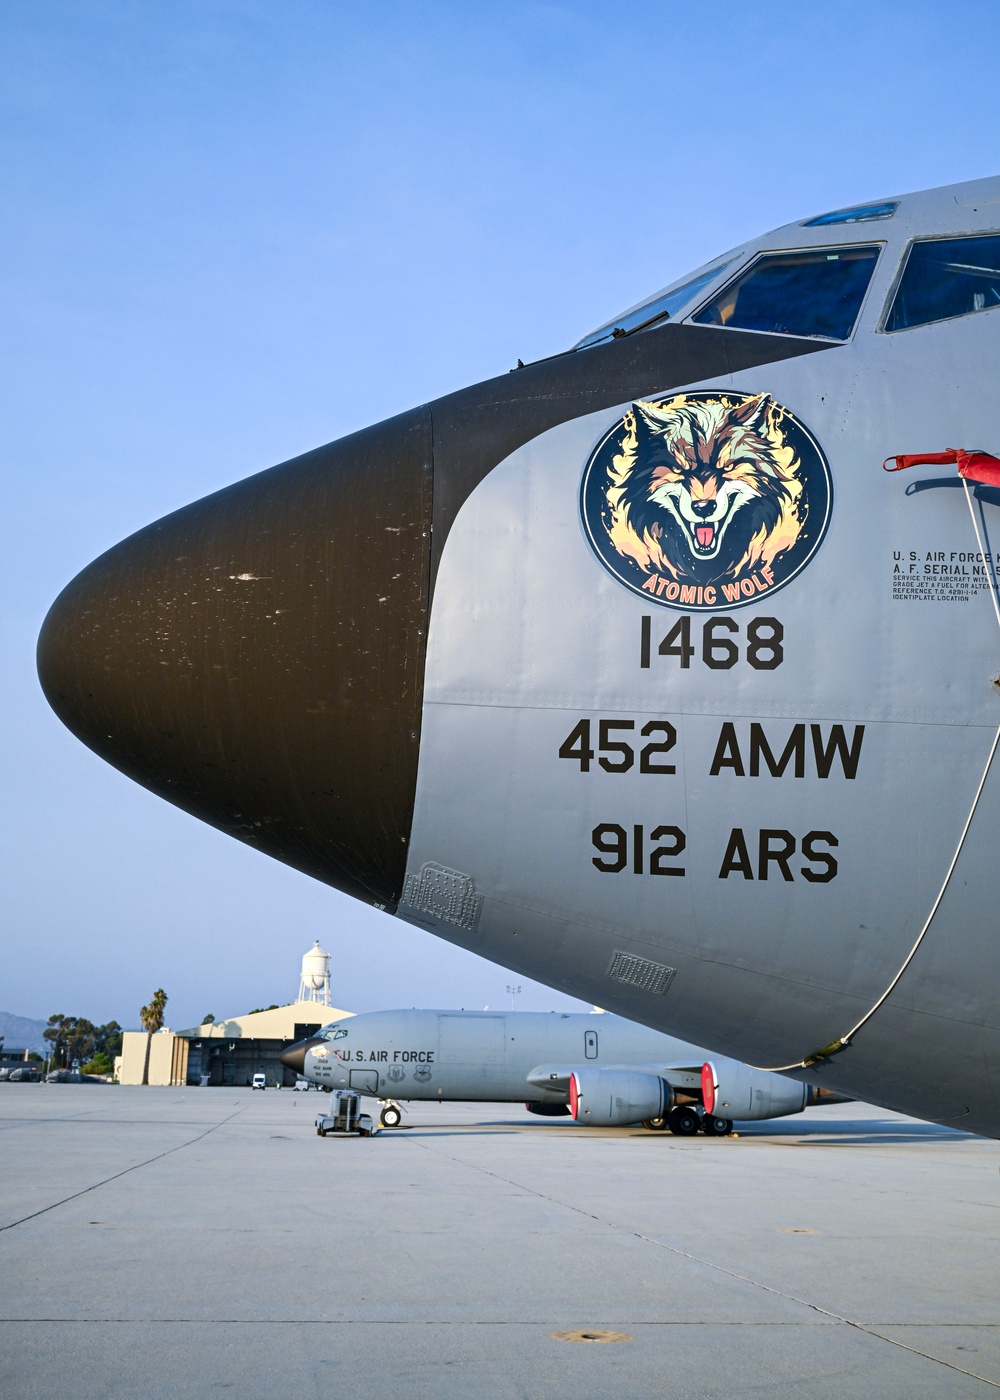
(686, 1076)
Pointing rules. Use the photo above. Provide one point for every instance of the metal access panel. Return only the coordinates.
(471, 1039)
(590, 1044)
(365, 1081)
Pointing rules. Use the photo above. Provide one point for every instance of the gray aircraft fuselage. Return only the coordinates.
(524, 1056)
(632, 670)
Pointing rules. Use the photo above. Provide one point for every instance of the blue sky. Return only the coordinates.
(233, 231)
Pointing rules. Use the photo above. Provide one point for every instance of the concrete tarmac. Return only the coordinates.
(176, 1244)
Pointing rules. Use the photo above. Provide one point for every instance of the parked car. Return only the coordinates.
(259, 1081)
(25, 1074)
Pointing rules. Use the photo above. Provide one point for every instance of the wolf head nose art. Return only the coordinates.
(706, 499)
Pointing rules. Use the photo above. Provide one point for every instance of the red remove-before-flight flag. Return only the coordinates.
(974, 466)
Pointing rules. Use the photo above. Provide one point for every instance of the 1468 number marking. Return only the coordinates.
(719, 650)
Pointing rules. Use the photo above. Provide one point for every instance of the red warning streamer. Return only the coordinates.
(974, 466)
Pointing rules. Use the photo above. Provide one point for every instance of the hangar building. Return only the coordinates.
(228, 1052)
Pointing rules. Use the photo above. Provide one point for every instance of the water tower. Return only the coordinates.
(314, 984)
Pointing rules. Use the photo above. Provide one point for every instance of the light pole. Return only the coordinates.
(514, 991)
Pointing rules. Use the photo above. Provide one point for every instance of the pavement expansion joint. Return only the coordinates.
(136, 1166)
(646, 1324)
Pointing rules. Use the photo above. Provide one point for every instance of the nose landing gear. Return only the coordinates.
(392, 1114)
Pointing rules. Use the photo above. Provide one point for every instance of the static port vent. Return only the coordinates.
(643, 973)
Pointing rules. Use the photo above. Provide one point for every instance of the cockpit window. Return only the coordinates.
(946, 277)
(333, 1032)
(815, 293)
(860, 214)
(659, 309)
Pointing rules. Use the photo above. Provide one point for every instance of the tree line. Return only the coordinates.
(74, 1038)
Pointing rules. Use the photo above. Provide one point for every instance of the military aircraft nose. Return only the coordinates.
(257, 657)
(295, 1056)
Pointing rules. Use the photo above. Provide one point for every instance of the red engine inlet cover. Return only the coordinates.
(574, 1094)
(709, 1086)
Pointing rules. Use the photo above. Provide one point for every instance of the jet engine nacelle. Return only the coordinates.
(747, 1094)
(609, 1098)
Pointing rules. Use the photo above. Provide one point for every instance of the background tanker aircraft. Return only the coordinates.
(602, 1070)
(631, 669)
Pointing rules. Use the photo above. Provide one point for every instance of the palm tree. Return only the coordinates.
(151, 1017)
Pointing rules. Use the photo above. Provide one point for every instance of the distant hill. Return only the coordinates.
(22, 1032)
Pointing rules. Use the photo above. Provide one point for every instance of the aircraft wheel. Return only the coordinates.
(683, 1121)
(391, 1118)
(715, 1127)
(655, 1125)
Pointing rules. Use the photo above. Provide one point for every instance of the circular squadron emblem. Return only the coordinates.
(706, 500)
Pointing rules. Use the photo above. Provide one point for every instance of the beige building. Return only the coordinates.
(168, 1058)
(222, 1052)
